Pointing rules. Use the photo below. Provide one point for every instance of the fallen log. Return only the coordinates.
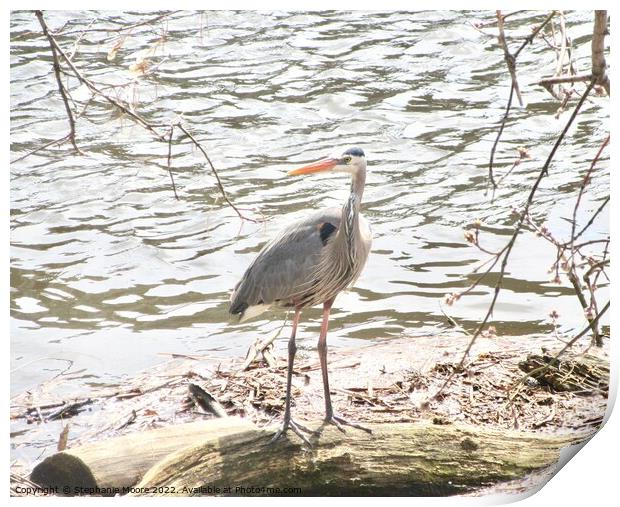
(231, 456)
(112, 466)
(397, 459)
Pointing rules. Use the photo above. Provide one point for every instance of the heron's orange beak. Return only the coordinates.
(315, 167)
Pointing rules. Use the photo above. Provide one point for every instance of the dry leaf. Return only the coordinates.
(114, 49)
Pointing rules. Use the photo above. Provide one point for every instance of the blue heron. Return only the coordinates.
(307, 264)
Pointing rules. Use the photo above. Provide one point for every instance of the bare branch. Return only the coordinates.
(593, 217)
(494, 21)
(97, 91)
(215, 173)
(174, 188)
(77, 40)
(61, 86)
(511, 61)
(585, 181)
(523, 154)
(535, 32)
(122, 28)
(572, 342)
(599, 66)
(509, 57)
(40, 148)
(508, 248)
(499, 135)
(576, 78)
(93, 88)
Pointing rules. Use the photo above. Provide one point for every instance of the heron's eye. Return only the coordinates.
(347, 160)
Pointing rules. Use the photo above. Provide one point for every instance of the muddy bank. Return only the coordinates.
(388, 382)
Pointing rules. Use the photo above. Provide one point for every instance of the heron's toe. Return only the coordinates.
(340, 422)
(297, 428)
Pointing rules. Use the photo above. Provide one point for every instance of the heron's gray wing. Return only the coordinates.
(287, 263)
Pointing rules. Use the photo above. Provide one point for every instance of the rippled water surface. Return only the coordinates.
(108, 270)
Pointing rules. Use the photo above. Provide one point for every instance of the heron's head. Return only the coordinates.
(351, 161)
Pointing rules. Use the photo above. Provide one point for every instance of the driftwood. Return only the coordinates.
(587, 374)
(107, 467)
(206, 401)
(231, 456)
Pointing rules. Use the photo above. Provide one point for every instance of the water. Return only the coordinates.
(108, 270)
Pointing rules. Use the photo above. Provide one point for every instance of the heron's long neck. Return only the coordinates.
(349, 230)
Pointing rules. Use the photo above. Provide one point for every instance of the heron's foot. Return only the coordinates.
(297, 428)
(340, 422)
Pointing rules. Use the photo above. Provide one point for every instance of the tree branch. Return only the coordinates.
(576, 78)
(599, 66)
(508, 248)
(509, 57)
(61, 86)
(215, 173)
(97, 90)
(511, 62)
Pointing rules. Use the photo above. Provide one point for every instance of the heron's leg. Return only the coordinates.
(322, 347)
(288, 422)
(292, 350)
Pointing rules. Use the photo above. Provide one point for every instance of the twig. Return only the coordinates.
(569, 266)
(523, 155)
(592, 311)
(77, 40)
(562, 51)
(174, 188)
(594, 267)
(530, 38)
(93, 88)
(215, 173)
(68, 409)
(593, 217)
(559, 65)
(576, 78)
(572, 273)
(509, 57)
(457, 295)
(453, 322)
(605, 253)
(61, 87)
(494, 21)
(508, 248)
(585, 181)
(511, 62)
(499, 135)
(133, 415)
(40, 148)
(122, 28)
(259, 347)
(594, 241)
(97, 90)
